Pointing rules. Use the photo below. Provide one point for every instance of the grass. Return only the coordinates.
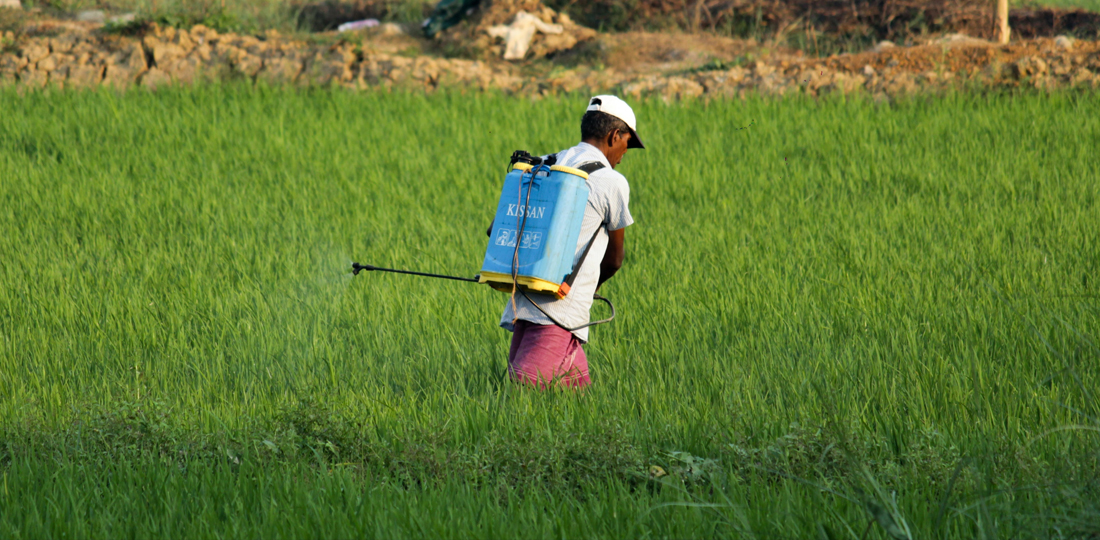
(849, 315)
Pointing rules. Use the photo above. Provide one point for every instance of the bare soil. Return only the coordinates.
(673, 64)
(655, 52)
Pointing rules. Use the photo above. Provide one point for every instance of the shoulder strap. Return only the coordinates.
(591, 167)
(588, 168)
(577, 269)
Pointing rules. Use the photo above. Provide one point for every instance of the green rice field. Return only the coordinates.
(849, 319)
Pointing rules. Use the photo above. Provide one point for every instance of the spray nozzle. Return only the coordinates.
(356, 267)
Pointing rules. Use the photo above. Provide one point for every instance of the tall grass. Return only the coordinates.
(847, 311)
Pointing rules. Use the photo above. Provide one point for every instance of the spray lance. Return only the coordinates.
(545, 203)
(356, 268)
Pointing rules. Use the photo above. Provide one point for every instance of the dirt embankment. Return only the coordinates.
(170, 56)
(671, 65)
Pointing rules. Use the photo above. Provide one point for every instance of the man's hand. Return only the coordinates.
(613, 257)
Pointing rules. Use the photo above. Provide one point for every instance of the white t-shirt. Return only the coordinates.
(608, 210)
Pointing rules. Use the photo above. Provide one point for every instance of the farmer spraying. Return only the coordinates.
(556, 237)
(548, 330)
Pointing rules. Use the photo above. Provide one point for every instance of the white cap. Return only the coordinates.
(619, 109)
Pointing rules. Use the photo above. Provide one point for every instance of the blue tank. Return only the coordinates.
(553, 212)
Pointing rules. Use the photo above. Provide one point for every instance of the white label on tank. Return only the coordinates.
(507, 238)
(534, 212)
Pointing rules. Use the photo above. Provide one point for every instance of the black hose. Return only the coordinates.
(575, 328)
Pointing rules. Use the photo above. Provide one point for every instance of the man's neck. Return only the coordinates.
(600, 145)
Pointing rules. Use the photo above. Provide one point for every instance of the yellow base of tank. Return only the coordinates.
(503, 282)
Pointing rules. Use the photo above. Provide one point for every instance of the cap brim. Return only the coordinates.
(635, 142)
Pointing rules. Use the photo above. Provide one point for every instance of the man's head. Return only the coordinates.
(609, 125)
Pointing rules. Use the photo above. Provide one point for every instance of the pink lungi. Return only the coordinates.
(543, 353)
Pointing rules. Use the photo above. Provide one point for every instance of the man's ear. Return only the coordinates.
(610, 141)
(614, 137)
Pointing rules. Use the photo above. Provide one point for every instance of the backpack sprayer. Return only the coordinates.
(533, 240)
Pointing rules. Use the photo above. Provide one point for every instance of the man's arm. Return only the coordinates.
(613, 257)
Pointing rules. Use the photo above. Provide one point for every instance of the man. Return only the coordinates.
(541, 351)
